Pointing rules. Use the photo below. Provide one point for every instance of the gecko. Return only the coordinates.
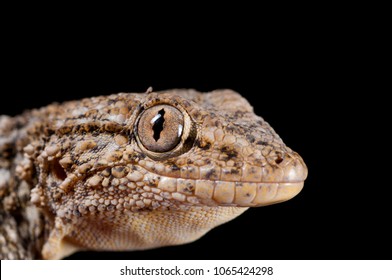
(135, 171)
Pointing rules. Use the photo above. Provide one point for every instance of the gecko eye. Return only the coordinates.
(160, 128)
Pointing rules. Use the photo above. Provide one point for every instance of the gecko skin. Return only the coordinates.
(135, 171)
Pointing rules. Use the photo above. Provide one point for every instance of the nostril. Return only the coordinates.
(279, 158)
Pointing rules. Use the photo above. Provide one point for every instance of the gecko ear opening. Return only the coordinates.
(58, 170)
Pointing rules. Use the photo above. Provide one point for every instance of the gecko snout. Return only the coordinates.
(261, 186)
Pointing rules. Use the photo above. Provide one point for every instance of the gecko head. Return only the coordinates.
(211, 149)
(109, 163)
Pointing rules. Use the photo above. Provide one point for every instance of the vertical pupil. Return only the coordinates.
(158, 121)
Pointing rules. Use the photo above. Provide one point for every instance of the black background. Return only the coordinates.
(299, 85)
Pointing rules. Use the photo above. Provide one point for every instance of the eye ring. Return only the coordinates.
(163, 131)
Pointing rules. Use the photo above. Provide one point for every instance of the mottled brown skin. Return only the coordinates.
(135, 171)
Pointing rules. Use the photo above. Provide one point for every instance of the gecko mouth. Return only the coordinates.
(142, 188)
(253, 189)
(223, 193)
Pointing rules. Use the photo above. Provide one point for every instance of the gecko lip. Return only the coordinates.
(276, 186)
(247, 194)
(275, 193)
(288, 184)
